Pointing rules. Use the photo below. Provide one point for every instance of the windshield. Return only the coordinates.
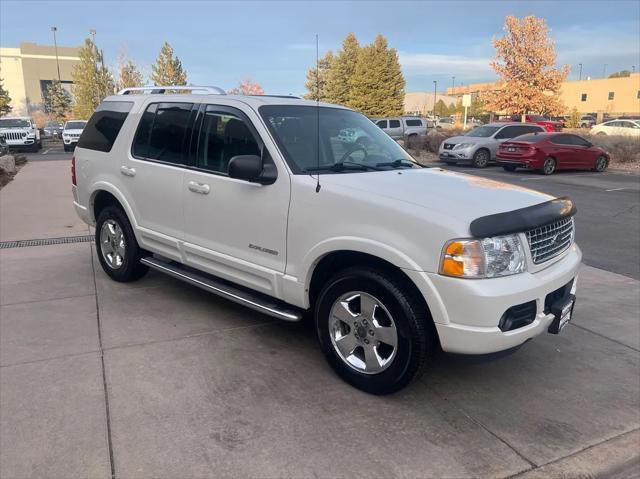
(483, 131)
(345, 137)
(14, 123)
(75, 125)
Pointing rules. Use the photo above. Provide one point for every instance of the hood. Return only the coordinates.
(457, 195)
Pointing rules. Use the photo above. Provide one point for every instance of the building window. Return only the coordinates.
(583, 97)
(611, 94)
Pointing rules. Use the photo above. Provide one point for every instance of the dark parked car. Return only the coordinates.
(548, 152)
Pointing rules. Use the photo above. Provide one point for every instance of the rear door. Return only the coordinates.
(233, 229)
(395, 130)
(153, 173)
(565, 151)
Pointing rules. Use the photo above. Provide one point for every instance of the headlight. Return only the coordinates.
(483, 258)
(462, 146)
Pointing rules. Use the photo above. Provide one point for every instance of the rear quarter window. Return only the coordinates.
(102, 129)
(413, 122)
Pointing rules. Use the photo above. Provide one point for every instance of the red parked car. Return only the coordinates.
(548, 152)
(549, 125)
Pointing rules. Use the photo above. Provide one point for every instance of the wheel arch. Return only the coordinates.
(104, 194)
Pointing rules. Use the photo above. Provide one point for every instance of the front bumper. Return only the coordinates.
(21, 142)
(464, 154)
(70, 141)
(466, 312)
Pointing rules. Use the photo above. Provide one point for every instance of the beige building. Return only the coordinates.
(421, 103)
(28, 70)
(610, 96)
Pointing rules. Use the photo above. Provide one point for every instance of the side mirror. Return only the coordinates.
(251, 168)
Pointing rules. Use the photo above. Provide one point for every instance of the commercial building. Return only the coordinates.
(603, 96)
(28, 70)
(421, 103)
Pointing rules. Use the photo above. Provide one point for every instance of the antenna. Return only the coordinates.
(317, 117)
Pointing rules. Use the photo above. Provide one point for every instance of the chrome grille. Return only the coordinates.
(546, 242)
(13, 135)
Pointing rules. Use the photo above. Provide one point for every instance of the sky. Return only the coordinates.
(221, 43)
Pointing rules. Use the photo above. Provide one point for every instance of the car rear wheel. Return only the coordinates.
(549, 166)
(601, 164)
(481, 159)
(509, 167)
(373, 330)
(117, 248)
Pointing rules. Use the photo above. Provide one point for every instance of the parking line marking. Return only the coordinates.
(46, 151)
(616, 189)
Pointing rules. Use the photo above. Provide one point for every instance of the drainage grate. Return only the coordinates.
(46, 241)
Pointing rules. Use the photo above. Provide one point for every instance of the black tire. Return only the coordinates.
(600, 164)
(130, 269)
(549, 166)
(39, 144)
(66, 148)
(481, 158)
(509, 167)
(416, 335)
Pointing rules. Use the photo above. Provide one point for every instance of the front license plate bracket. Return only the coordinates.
(562, 311)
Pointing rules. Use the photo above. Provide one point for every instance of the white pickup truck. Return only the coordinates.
(256, 199)
(21, 133)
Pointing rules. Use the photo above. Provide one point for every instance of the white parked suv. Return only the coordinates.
(71, 133)
(250, 198)
(21, 133)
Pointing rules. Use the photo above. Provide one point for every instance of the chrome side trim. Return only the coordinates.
(246, 298)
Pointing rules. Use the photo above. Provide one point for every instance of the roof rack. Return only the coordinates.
(162, 89)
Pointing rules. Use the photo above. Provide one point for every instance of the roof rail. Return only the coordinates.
(162, 89)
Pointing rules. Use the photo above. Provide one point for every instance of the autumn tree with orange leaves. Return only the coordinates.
(525, 61)
(247, 87)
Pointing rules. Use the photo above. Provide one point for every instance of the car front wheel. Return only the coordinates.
(601, 164)
(373, 330)
(117, 248)
(481, 159)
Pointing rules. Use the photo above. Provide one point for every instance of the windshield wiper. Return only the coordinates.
(402, 163)
(342, 166)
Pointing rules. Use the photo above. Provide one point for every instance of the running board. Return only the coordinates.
(251, 299)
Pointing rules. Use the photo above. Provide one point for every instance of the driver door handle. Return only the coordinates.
(200, 188)
(126, 171)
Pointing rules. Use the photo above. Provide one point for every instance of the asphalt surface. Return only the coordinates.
(608, 221)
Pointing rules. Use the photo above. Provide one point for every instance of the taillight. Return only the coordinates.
(73, 171)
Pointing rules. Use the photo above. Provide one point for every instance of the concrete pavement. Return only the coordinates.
(159, 379)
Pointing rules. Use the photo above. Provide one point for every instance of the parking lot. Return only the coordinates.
(160, 379)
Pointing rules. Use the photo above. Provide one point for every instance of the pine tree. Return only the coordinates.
(574, 118)
(57, 101)
(340, 74)
(526, 63)
(441, 108)
(128, 75)
(377, 86)
(5, 100)
(168, 69)
(92, 80)
(316, 83)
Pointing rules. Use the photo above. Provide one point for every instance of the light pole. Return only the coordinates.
(55, 46)
(580, 65)
(435, 87)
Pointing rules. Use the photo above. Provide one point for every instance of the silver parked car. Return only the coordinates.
(480, 145)
(587, 121)
(402, 127)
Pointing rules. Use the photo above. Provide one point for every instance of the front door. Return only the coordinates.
(233, 229)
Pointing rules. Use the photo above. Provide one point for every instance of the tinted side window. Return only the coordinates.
(223, 135)
(578, 141)
(102, 129)
(382, 123)
(141, 141)
(413, 122)
(167, 138)
(507, 132)
(561, 140)
(394, 123)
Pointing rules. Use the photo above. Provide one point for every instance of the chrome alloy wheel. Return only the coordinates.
(363, 332)
(112, 244)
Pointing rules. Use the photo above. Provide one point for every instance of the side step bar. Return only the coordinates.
(251, 299)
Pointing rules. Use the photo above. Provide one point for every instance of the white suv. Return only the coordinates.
(71, 133)
(250, 198)
(21, 132)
